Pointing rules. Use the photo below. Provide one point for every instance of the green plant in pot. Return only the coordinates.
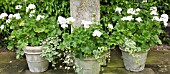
(137, 28)
(87, 44)
(51, 50)
(27, 34)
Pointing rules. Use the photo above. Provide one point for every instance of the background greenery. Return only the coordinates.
(61, 7)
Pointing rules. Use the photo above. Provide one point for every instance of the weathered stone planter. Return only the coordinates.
(87, 66)
(132, 63)
(36, 63)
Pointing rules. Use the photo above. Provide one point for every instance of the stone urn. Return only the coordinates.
(132, 63)
(87, 66)
(35, 62)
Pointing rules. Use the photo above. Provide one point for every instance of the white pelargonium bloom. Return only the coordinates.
(64, 25)
(3, 15)
(165, 24)
(18, 7)
(110, 26)
(8, 21)
(31, 15)
(153, 8)
(129, 18)
(156, 18)
(33, 11)
(70, 20)
(138, 9)
(118, 9)
(131, 11)
(138, 19)
(62, 20)
(31, 6)
(10, 16)
(154, 13)
(39, 17)
(123, 18)
(2, 27)
(17, 16)
(97, 33)
(164, 18)
(86, 23)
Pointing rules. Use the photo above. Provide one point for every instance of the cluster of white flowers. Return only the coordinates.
(128, 18)
(138, 19)
(164, 18)
(30, 6)
(3, 15)
(2, 27)
(110, 26)
(153, 11)
(97, 33)
(10, 16)
(64, 22)
(86, 23)
(17, 16)
(18, 7)
(39, 17)
(118, 9)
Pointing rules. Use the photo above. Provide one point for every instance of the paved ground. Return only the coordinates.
(158, 62)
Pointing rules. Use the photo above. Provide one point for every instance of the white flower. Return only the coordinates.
(138, 19)
(156, 18)
(33, 11)
(131, 11)
(123, 18)
(165, 24)
(31, 15)
(164, 18)
(31, 6)
(97, 33)
(8, 21)
(110, 26)
(86, 23)
(118, 9)
(10, 16)
(18, 7)
(138, 9)
(154, 13)
(39, 17)
(70, 20)
(144, 1)
(64, 25)
(129, 18)
(61, 20)
(153, 8)
(2, 27)
(3, 15)
(17, 16)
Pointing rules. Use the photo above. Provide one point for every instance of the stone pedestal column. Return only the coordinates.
(83, 10)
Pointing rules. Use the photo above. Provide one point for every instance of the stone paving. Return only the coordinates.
(158, 62)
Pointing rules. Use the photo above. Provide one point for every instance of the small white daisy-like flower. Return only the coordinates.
(64, 25)
(18, 7)
(8, 21)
